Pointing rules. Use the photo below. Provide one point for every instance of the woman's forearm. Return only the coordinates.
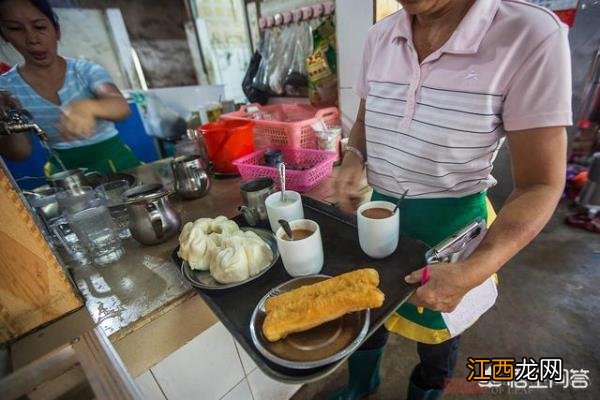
(539, 167)
(109, 108)
(357, 136)
(524, 215)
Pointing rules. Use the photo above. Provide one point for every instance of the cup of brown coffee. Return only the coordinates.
(302, 254)
(378, 228)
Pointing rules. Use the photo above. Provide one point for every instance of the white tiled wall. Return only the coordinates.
(212, 366)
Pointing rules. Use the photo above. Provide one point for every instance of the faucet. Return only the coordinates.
(14, 121)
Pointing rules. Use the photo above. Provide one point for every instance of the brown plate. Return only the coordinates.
(313, 348)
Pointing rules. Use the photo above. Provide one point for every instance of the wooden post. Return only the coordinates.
(34, 288)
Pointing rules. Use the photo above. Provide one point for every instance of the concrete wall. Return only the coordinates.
(156, 29)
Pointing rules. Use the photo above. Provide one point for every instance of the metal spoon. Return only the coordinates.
(399, 201)
(281, 170)
(287, 228)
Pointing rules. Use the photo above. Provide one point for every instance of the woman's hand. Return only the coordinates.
(348, 183)
(13, 147)
(7, 100)
(78, 120)
(444, 290)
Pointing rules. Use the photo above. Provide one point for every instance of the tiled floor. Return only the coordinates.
(265, 388)
(149, 388)
(247, 362)
(211, 366)
(240, 392)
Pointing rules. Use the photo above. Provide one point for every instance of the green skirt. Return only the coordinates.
(431, 221)
(111, 155)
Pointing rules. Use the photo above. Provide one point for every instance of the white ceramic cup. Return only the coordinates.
(378, 238)
(289, 210)
(304, 256)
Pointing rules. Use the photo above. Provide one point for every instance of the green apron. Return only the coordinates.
(431, 221)
(111, 155)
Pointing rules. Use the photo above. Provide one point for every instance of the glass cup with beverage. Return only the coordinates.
(378, 228)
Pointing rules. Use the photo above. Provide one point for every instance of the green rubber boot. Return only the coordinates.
(363, 371)
(416, 393)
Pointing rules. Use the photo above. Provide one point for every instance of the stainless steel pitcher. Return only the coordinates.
(152, 218)
(254, 193)
(191, 179)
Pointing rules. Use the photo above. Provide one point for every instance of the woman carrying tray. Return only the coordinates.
(443, 84)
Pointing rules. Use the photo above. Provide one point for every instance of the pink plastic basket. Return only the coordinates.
(289, 124)
(306, 168)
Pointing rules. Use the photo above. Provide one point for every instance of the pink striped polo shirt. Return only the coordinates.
(435, 127)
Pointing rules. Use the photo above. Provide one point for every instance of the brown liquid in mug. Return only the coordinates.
(298, 234)
(377, 213)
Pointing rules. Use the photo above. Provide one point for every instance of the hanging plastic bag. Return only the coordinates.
(322, 68)
(161, 121)
(261, 79)
(253, 94)
(281, 60)
(296, 80)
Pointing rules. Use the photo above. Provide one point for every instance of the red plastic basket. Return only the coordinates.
(289, 126)
(306, 168)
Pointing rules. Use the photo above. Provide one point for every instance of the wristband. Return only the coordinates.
(356, 152)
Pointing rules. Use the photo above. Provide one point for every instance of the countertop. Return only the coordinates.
(145, 284)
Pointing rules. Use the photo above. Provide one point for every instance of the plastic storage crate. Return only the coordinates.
(288, 125)
(305, 168)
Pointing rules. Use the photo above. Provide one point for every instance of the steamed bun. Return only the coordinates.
(223, 226)
(219, 246)
(259, 256)
(229, 265)
(204, 224)
(197, 250)
(258, 253)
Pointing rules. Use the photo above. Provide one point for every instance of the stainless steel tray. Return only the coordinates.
(322, 345)
(203, 279)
